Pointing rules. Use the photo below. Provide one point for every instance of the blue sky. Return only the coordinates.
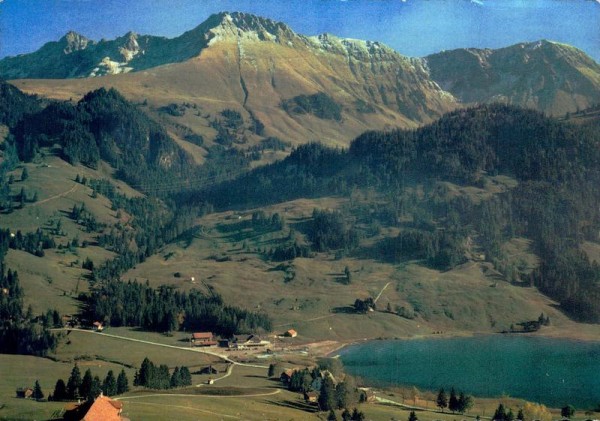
(412, 27)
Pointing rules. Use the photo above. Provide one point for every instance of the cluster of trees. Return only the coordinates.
(460, 403)
(89, 386)
(355, 415)
(158, 377)
(32, 242)
(289, 252)
(364, 306)
(261, 221)
(164, 309)
(330, 231)
(319, 104)
(440, 248)
(14, 104)
(331, 396)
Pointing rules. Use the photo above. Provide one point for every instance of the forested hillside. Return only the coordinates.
(554, 202)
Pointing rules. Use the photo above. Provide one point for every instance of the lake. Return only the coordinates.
(554, 372)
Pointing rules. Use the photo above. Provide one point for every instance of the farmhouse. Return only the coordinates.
(291, 333)
(101, 409)
(311, 397)
(202, 339)
(24, 392)
(248, 341)
(98, 326)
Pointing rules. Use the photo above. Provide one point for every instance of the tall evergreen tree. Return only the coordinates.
(186, 376)
(327, 398)
(453, 401)
(122, 383)
(95, 389)
(271, 371)
(86, 384)
(74, 383)
(60, 391)
(442, 400)
(412, 416)
(109, 386)
(176, 378)
(37, 391)
(500, 413)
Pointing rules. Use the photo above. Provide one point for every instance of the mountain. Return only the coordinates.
(250, 64)
(544, 75)
(301, 88)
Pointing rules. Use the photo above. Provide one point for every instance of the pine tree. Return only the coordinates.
(271, 371)
(38, 395)
(520, 415)
(186, 376)
(60, 391)
(412, 416)
(109, 386)
(331, 416)
(453, 401)
(122, 383)
(176, 378)
(86, 384)
(327, 399)
(442, 400)
(95, 389)
(500, 413)
(146, 373)
(74, 383)
(24, 174)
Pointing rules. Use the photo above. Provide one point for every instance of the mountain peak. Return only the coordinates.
(235, 24)
(74, 42)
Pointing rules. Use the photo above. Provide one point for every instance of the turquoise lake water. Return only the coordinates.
(554, 372)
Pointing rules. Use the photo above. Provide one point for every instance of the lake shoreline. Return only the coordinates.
(538, 368)
(552, 333)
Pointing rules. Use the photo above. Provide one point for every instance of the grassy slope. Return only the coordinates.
(470, 297)
(271, 73)
(51, 281)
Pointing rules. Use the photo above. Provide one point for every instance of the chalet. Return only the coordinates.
(248, 341)
(97, 326)
(290, 333)
(311, 397)
(203, 339)
(286, 376)
(24, 392)
(101, 409)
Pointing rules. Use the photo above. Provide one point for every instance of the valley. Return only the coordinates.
(314, 191)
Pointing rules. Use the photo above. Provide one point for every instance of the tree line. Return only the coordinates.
(158, 377)
(165, 309)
